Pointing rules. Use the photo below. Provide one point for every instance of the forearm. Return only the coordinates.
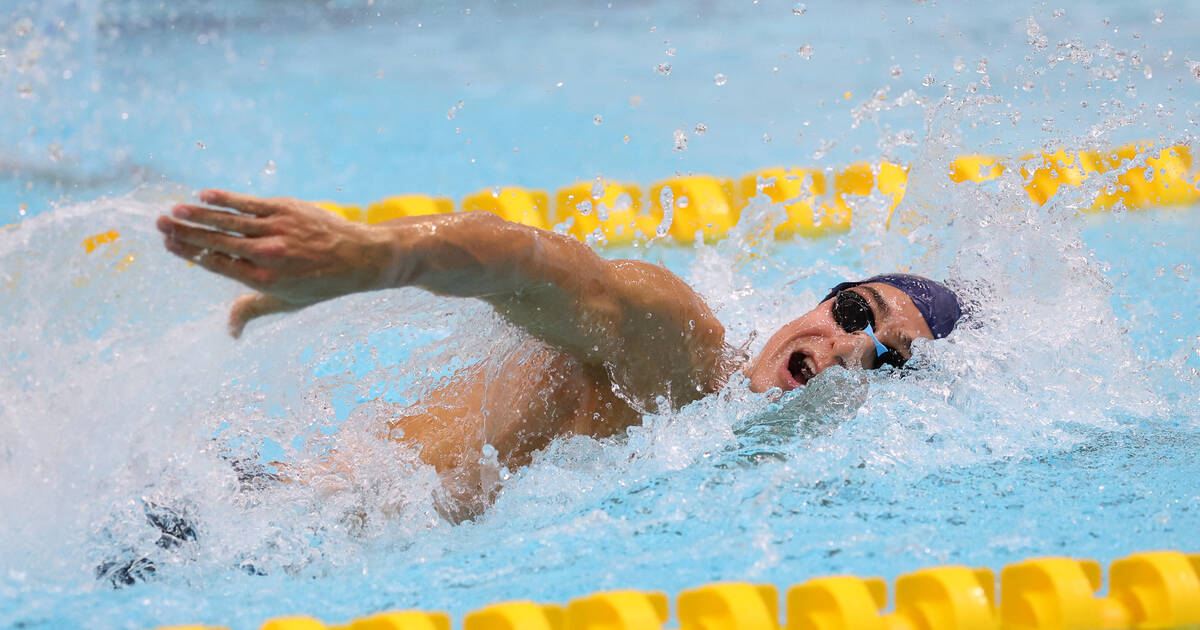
(478, 254)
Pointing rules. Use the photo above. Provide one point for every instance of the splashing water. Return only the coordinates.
(1058, 419)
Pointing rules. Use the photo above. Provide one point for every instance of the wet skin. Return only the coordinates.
(813, 342)
(609, 339)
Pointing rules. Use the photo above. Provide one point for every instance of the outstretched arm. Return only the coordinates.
(638, 319)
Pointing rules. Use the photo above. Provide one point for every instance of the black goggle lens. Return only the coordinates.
(852, 313)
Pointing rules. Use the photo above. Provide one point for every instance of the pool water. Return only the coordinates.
(1060, 420)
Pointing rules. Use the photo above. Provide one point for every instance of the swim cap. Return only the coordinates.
(937, 303)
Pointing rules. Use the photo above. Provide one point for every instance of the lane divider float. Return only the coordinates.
(1157, 589)
(817, 202)
(617, 213)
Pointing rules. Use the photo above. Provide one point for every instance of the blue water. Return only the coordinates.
(1061, 422)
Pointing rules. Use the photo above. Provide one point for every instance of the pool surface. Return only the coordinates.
(1061, 421)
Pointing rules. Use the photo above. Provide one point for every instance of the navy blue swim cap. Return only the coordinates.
(938, 304)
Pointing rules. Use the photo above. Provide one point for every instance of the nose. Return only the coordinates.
(851, 349)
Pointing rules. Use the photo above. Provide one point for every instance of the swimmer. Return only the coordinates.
(613, 339)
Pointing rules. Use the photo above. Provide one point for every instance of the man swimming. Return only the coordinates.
(614, 339)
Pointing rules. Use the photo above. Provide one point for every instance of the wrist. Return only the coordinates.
(382, 252)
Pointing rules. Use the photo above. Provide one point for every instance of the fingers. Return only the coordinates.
(238, 269)
(251, 306)
(242, 203)
(202, 238)
(219, 220)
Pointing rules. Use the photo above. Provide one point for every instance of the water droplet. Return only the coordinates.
(958, 64)
(124, 115)
(1146, 71)
(719, 79)
(700, 129)
(928, 80)
(1158, 17)
(663, 69)
(1194, 66)
(670, 52)
(766, 138)
(269, 169)
(22, 209)
(1058, 13)
(584, 207)
(681, 140)
(597, 190)
(800, 9)
(805, 51)
(623, 202)
(597, 119)
(895, 72)
(559, 84)
(201, 145)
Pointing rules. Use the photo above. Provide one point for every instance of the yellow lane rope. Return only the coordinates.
(1158, 589)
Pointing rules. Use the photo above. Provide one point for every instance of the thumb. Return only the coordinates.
(254, 305)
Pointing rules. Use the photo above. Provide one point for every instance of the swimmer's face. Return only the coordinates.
(809, 345)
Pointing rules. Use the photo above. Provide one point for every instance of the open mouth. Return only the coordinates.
(801, 367)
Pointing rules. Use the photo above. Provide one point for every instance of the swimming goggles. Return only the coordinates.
(852, 313)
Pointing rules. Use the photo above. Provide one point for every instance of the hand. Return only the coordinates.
(294, 253)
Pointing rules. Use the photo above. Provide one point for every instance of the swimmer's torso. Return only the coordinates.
(517, 403)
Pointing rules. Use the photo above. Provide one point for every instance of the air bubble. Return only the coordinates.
(663, 69)
(584, 207)
(681, 140)
(928, 80)
(958, 64)
(800, 9)
(1194, 66)
(766, 138)
(700, 129)
(1158, 17)
(805, 51)
(23, 27)
(597, 190)
(201, 145)
(895, 72)
(1058, 13)
(269, 169)
(670, 52)
(597, 119)
(719, 79)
